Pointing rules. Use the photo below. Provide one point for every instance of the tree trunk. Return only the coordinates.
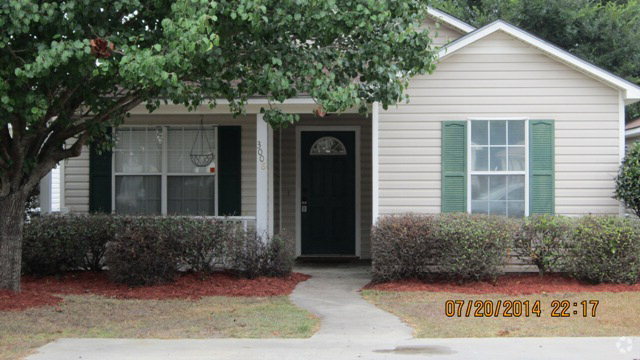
(11, 225)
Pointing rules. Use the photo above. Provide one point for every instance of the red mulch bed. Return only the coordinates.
(42, 291)
(507, 284)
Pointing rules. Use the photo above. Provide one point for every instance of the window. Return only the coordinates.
(498, 167)
(328, 145)
(153, 176)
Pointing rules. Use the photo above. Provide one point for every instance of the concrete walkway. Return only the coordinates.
(351, 329)
(333, 294)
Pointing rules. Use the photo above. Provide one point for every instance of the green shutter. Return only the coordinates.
(99, 181)
(541, 167)
(229, 171)
(454, 166)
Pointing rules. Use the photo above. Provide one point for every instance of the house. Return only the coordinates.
(508, 124)
(632, 131)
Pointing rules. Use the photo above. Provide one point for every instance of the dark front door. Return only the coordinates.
(328, 192)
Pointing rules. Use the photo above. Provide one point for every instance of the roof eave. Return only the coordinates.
(451, 20)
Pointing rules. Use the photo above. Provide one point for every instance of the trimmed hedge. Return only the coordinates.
(473, 247)
(149, 250)
(463, 247)
(53, 244)
(605, 250)
(543, 241)
(459, 247)
(252, 257)
(145, 253)
(403, 247)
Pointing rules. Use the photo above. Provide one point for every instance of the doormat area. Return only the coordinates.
(520, 284)
(44, 291)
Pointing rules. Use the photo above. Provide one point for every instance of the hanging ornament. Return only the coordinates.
(201, 151)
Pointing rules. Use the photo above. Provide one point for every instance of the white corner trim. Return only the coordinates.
(358, 198)
(622, 124)
(632, 91)
(622, 141)
(375, 163)
(450, 20)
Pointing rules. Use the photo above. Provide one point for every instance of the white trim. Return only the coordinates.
(63, 183)
(164, 201)
(253, 106)
(375, 163)
(524, 172)
(262, 177)
(450, 20)
(632, 91)
(164, 173)
(358, 165)
(271, 211)
(622, 141)
(622, 124)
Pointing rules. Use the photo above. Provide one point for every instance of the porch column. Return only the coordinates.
(375, 182)
(264, 178)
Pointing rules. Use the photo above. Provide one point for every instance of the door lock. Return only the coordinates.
(303, 206)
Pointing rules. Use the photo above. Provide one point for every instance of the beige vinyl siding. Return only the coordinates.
(288, 174)
(500, 77)
(440, 32)
(76, 171)
(76, 183)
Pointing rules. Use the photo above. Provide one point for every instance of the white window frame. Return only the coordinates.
(526, 158)
(164, 173)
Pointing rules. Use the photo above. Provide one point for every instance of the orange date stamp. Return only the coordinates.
(520, 308)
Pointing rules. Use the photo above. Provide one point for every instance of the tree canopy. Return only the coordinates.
(606, 33)
(70, 69)
(65, 60)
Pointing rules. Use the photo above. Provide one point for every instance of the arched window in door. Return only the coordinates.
(328, 145)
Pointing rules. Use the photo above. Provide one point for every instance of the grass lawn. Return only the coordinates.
(101, 317)
(617, 314)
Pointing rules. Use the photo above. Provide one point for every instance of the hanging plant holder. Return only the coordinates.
(201, 151)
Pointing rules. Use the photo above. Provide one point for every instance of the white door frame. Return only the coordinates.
(358, 165)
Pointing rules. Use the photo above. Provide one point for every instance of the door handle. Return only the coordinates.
(303, 206)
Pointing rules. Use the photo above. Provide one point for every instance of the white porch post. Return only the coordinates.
(375, 182)
(264, 178)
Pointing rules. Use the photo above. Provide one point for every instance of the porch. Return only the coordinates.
(269, 181)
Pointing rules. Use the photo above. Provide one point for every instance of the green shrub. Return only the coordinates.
(543, 241)
(145, 252)
(53, 244)
(149, 250)
(605, 250)
(204, 242)
(459, 247)
(403, 247)
(627, 181)
(50, 246)
(252, 257)
(473, 247)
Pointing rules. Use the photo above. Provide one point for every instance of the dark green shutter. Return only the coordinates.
(229, 171)
(541, 167)
(454, 166)
(99, 181)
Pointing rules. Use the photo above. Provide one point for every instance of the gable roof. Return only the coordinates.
(631, 91)
(450, 20)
